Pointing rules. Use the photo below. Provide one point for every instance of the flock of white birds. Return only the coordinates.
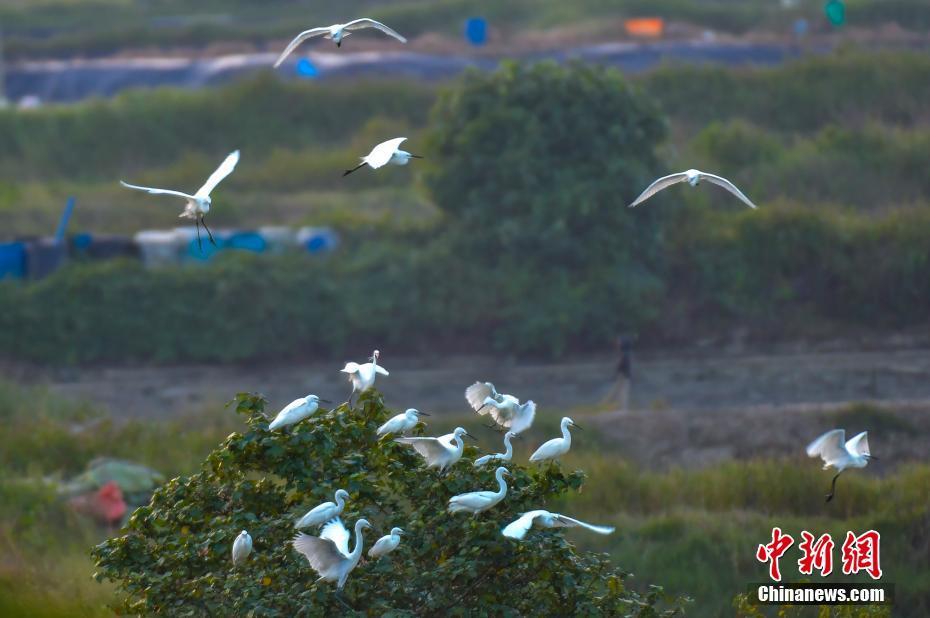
(328, 553)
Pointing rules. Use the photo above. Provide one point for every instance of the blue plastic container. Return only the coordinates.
(246, 241)
(12, 260)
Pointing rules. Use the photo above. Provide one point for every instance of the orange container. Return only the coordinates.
(645, 26)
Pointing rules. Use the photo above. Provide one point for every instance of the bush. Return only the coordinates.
(174, 555)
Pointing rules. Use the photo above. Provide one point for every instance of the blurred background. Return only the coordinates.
(704, 343)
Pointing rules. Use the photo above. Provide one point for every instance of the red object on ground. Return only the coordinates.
(645, 26)
(106, 505)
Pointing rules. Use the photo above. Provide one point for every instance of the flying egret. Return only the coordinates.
(507, 455)
(440, 452)
(336, 32)
(556, 447)
(362, 376)
(837, 454)
(693, 177)
(242, 547)
(476, 502)
(198, 204)
(384, 153)
(505, 410)
(322, 513)
(386, 544)
(296, 411)
(402, 423)
(329, 553)
(518, 528)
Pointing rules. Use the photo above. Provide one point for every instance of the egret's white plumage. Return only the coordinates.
(384, 153)
(556, 447)
(402, 423)
(295, 411)
(199, 203)
(505, 410)
(692, 177)
(322, 513)
(476, 502)
(386, 544)
(507, 455)
(839, 453)
(241, 548)
(362, 376)
(336, 32)
(518, 528)
(329, 553)
(440, 452)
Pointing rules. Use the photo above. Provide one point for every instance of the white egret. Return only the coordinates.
(507, 455)
(386, 544)
(384, 153)
(329, 553)
(241, 548)
(198, 204)
(440, 452)
(692, 177)
(362, 376)
(336, 32)
(402, 423)
(518, 528)
(296, 411)
(476, 502)
(505, 410)
(323, 513)
(556, 447)
(839, 454)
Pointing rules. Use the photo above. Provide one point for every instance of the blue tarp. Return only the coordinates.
(12, 260)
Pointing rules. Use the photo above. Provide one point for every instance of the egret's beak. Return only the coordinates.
(401, 532)
(413, 156)
(423, 414)
(577, 426)
(516, 436)
(470, 436)
(325, 400)
(871, 457)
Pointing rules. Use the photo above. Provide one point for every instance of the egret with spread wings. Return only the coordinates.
(544, 519)
(692, 177)
(838, 453)
(328, 554)
(337, 32)
(505, 410)
(440, 452)
(385, 153)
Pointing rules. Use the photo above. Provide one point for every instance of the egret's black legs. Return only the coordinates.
(833, 486)
(204, 224)
(339, 598)
(199, 242)
(357, 167)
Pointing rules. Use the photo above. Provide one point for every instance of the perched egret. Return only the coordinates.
(386, 544)
(296, 411)
(556, 447)
(518, 528)
(198, 204)
(329, 553)
(362, 376)
(693, 177)
(839, 454)
(384, 153)
(440, 452)
(505, 410)
(476, 502)
(242, 547)
(507, 455)
(402, 423)
(336, 32)
(322, 513)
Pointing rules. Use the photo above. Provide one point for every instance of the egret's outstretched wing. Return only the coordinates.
(430, 448)
(300, 38)
(225, 168)
(859, 444)
(365, 22)
(658, 185)
(478, 392)
(382, 153)
(336, 532)
(571, 522)
(524, 417)
(518, 528)
(350, 368)
(155, 191)
(830, 446)
(322, 554)
(729, 186)
(381, 370)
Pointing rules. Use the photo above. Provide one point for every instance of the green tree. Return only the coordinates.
(173, 556)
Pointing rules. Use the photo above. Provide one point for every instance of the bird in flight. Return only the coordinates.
(518, 528)
(198, 204)
(693, 178)
(337, 32)
(841, 454)
(384, 153)
(505, 410)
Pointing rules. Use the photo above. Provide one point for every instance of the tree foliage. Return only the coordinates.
(173, 557)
